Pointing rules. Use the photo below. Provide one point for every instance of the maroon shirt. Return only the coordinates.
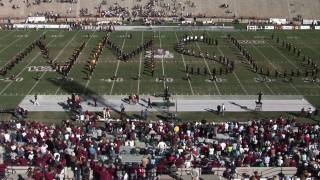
(49, 176)
(38, 175)
(105, 175)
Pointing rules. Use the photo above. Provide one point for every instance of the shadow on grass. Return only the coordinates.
(86, 94)
(241, 106)
(211, 110)
(162, 117)
(136, 116)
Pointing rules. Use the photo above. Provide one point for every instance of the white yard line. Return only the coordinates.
(205, 62)
(305, 44)
(7, 35)
(233, 72)
(19, 51)
(163, 74)
(35, 84)
(26, 67)
(295, 88)
(13, 42)
(243, 88)
(266, 58)
(288, 60)
(62, 50)
(76, 62)
(58, 55)
(79, 61)
(269, 88)
(58, 89)
(269, 63)
(140, 62)
(118, 64)
(88, 81)
(317, 52)
(184, 64)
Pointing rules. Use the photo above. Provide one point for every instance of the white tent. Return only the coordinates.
(36, 19)
(278, 21)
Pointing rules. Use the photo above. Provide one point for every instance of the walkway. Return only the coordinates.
(183, 103)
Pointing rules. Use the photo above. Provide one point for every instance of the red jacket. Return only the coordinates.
(38, 175)
(105, 175)
(49, 176)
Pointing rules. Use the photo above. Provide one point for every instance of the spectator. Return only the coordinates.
(276, 142)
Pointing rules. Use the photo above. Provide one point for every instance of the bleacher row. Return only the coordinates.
(228, 149)
(182, 173)
(282, 27)
(167, 8)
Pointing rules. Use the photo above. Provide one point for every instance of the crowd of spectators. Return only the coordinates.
(97, 146)
(28, 3)
(128, 11)
(49, 14)
(152, 8)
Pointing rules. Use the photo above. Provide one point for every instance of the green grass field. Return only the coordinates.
(241, 82)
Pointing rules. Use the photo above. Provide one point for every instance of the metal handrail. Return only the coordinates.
(275, 169)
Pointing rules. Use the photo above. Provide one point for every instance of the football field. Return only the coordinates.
(170, 66)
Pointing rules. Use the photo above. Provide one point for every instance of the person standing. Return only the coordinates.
(94, 101)
(149, 103)
(166, 93)
(122, 108)
(194, 174)
(259, 97)
(146, 113)
(104, 112)
(85, 172)
(218, 109)
(108, 112)
(142, 114)
(122, 111)
(36, 100)
(309, 112)
(223, 109)
(141, 172)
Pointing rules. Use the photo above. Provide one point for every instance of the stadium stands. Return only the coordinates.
(165, 8)
(92, 147)
(138, 148)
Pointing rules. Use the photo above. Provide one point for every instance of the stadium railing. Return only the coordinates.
(265, 172)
